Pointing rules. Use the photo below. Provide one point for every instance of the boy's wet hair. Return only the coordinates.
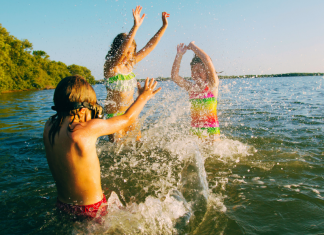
(118, 40)
(70, 89)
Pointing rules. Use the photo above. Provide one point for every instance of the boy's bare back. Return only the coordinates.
(74, 164)
(71, 147)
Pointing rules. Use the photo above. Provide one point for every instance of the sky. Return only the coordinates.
(242, 37)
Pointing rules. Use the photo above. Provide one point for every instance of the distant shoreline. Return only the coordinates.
(253, 76)
(239, 76)
(189, 78)
(36, 89)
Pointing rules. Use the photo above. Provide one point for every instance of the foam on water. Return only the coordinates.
(153, 216)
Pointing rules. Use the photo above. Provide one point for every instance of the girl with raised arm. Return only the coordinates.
(119, 79)
(202, 94)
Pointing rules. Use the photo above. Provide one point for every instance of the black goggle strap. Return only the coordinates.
(77, 105)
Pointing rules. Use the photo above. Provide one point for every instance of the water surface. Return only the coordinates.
(265, 176)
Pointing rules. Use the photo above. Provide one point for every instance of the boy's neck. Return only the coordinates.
(76, 119)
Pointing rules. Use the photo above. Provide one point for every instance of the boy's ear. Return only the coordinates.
(82, 110)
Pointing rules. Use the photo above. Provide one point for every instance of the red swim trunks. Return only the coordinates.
(85, 211)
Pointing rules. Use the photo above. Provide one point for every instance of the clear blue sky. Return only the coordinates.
(242, 37)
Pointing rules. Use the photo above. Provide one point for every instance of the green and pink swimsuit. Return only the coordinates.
(204, 113)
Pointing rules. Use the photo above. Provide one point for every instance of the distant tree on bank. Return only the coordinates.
(83, 71)
(21, 68)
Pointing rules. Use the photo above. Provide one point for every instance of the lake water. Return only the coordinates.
(266, 176)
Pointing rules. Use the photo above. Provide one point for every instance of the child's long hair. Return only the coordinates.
(69, 89)
(118, 40)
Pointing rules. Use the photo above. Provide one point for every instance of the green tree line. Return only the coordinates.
(21, 68)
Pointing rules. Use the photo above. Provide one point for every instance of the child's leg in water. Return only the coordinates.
(208, 134)
(213, 138)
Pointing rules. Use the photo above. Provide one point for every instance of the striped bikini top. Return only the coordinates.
(121, 82)
(203, 109)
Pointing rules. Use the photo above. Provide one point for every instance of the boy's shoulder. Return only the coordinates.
(47, 125)
(48, 122)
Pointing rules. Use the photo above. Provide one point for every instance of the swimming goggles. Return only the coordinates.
(96, 109)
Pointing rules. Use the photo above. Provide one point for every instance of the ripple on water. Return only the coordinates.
(264, 174)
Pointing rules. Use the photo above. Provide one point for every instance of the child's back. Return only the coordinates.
(74, 164)
(70, 142)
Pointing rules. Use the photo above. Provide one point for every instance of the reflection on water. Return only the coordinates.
(24, 111)
(264, 174)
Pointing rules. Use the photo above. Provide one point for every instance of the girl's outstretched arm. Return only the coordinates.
(100, 127)
(213, 78)
(180, 81)
(154, 40)
(122, 51)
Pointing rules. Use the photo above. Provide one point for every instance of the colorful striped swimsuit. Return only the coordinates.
(123, 83)
(204, 113)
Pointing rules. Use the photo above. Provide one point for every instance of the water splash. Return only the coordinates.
(162, 181)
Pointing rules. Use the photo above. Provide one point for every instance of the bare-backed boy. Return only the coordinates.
(70, 142)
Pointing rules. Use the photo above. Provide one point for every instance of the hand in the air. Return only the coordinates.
(138, 20)
(164, 18)
(148, 90)
(181, 49)
(190, 45)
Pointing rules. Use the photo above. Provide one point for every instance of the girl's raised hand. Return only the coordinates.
(181, 49)
(164, 18)
(190, 45)
(138, 20)
(148, 90)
